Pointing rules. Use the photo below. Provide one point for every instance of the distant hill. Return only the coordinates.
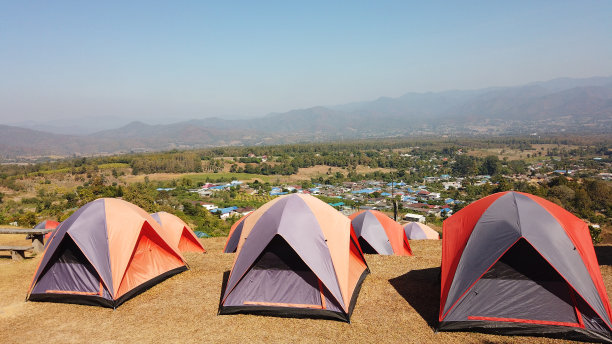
(560, 105)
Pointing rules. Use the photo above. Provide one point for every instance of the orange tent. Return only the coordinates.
(182, 236)
(106, 252)
(296, 255)
(380, 234)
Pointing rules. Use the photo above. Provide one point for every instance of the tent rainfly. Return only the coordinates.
(514, 263)
(234, 236)
(379, 234)
(182, 236)
(297, 256)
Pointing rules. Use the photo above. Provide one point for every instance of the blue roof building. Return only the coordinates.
(396, 184)
(224, 210)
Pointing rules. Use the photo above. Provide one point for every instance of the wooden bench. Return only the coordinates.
(37, 236)
(17, 252)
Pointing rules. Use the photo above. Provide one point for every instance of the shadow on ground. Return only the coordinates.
(421, 288)
(8, 257)
(604, 255)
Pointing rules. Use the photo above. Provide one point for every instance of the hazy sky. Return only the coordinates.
(171, 60)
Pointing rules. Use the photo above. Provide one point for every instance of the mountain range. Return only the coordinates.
(560, 105)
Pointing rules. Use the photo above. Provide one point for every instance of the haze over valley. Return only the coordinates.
(562, 105)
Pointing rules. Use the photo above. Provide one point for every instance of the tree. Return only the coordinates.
(491, 165)
(517, 166)
(191, 209)
(583, 203)
(143, 195)
(28, 219)
(464, 166)
(600, 193)
(562, 192)
(595, 234)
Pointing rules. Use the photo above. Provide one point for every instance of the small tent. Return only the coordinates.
(47, 224)
(234, 236)
(181, 235)
(106, 252)
(297, 256)
(379, 234)
(514, 263)
(420, 231)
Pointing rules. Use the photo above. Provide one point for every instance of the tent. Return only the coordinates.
(234, 236)
(514, 263)
(297, 256)
(47, 224)
(106, 252)
(379, 234)
(420, 231)
(182, 236)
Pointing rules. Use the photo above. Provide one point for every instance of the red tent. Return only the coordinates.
(514, 263)
(379, 234)
(47, 224)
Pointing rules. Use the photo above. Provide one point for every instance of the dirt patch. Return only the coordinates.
(129, 179)
(306, 173)
(516, 154)
(366, 169)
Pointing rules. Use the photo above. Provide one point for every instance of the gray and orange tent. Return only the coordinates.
(182, 236)
(420, 231)
(514, 263)
(234, 236)
(379, 234)
(297, 256)
(106, 252)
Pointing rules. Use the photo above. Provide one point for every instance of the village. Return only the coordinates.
(432, 200)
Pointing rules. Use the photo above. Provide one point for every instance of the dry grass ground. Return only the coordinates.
(397, 304)
(306, 173)
(515, 154)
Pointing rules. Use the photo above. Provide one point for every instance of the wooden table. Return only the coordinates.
(37, 236)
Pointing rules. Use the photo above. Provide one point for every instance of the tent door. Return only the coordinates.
(151, 257)
(366, 247)
(69, 272)
(521, 287)
(279, 278)
(188, 243)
